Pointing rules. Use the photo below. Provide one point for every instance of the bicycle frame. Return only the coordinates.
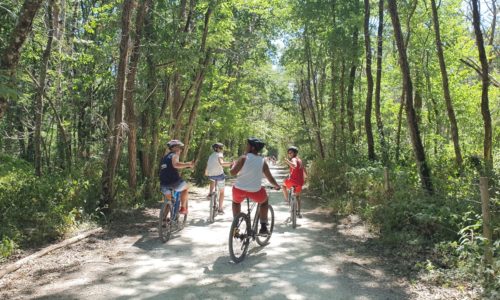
(176, 202)
(254, 226)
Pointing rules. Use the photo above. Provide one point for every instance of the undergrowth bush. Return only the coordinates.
(449, 221)
(35, 210)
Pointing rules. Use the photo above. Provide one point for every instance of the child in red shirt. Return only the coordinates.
(297, 175)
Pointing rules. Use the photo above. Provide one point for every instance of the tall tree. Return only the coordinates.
(446, 88)
(418, 148)
(378, 115)
(350, 86)
(131, 117)
(117, 126)
(44, 64)
(12, 52)
(369, 79)
(485, 109)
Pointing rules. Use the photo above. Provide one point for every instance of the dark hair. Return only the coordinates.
(174, 143)
(256, 143)
(294, 149)
(217, 146)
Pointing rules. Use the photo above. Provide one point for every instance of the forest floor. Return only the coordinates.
(325, 257)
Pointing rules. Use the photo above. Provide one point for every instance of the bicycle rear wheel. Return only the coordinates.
(239, 238)
(213, 207)
(264, 240)
(165, 222)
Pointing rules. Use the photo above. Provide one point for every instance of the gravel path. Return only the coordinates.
(317, 260)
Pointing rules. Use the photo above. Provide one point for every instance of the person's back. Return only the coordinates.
(250, 169)
(169, 176)
(214, 168)
(250, 176)
(215, 173)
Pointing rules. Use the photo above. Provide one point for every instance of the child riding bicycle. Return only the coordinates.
(249, 168)
(215, 173)
(170, 178)
(297, 175)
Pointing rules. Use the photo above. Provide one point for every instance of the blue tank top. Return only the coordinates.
(168, 174)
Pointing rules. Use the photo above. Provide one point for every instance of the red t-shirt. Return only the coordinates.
(297, 174)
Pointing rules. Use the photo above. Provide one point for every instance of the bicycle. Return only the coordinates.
(241, 234)
(214, 202)
(169, 218)
(292, 202)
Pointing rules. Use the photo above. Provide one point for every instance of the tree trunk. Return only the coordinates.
(11, 53)
(200, 76)
(308, 98)
(418, 149)
(350, 86)
(485, 109)
(115, 140)
(400, 121)
(44, 64)
(380, 126)
(446, 89)
(369, 79)
(342, 109)
(129, 94)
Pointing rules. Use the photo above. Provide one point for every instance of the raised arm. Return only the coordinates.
(224, 163)
(238, 165)
(292, 163)
(181, 165)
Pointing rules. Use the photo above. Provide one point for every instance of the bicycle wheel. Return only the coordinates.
(264, 240)
(239, 238)
(165, 223)
(293, 211)
(213, 207)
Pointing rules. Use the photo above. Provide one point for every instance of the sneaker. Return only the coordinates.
(183, 211)
(299, 215)
(220, 212)
(263, 230)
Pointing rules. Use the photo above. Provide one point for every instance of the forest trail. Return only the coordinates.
(317, 260)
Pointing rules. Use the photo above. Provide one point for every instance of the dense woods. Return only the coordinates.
(90, 92)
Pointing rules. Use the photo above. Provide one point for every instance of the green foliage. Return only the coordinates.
(35, 210)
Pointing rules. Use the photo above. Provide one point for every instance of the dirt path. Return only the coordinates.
(317, 260)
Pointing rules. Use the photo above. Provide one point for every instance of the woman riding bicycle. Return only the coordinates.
(249, 168)
(170, 178)
(215, 173)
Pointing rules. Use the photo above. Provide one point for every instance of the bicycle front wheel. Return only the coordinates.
(239, 238)
(165, 222)
(264, 240)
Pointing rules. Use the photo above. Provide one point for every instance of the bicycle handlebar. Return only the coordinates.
(270, 187)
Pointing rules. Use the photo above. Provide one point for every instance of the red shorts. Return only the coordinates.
(289, 184)
(239, 195)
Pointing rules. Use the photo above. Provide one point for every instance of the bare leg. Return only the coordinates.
(298, 202)
(263, 211)
(285, 192)
(221, 199)
(212, 186)
(236, 209)
(184, 198)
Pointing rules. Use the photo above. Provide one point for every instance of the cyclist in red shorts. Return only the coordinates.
(297, 175)
(249, 168)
